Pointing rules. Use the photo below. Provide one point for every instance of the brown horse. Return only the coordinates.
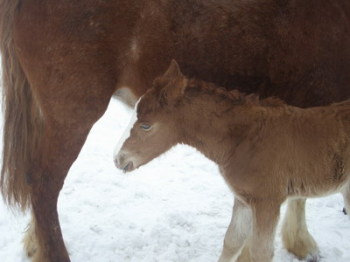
(266, 151)
(63, 60)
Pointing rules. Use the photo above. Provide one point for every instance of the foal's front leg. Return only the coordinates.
(238, 231)
(265, 218)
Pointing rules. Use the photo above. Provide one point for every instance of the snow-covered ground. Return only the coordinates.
(175, 209)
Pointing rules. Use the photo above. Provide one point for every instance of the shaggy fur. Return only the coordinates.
(63, 60)
(267, 152)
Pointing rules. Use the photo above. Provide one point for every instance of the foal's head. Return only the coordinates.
(166, 114)
(153, 126)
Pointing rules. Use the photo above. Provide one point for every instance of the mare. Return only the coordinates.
(266, 151)
(63, 60)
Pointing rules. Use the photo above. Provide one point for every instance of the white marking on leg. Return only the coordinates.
(243, 225)
(237, 233)
(295, 235)
(126, 133)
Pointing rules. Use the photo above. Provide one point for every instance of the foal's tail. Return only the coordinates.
(22, 117)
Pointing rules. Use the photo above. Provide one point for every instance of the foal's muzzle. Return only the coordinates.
(122, 163)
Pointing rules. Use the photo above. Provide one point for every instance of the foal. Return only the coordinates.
(267, 151)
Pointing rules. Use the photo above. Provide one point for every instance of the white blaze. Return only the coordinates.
(126, 134)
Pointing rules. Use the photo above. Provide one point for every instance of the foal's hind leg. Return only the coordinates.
(296, 238)
(238, 231)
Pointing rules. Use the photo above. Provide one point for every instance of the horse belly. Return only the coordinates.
(221, 42)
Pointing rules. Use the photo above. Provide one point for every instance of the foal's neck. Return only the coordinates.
(217, 128)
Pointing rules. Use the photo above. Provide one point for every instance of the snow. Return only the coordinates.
(175, 209)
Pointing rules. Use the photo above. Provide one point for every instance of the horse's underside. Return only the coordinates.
(63, 60)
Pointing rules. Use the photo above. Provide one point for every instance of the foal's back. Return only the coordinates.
(308, 149)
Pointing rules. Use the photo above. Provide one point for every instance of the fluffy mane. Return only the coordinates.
(169, 89)
(237, 97)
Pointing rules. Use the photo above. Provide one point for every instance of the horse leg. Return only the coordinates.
(70, 109)
(245, 253)
(265, 219)
(295, 235)
(29, 240)
(346, 196)
(238, 231)
(60, 145)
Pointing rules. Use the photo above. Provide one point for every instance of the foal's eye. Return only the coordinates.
(145, 127)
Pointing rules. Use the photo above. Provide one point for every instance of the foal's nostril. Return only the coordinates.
(128, 167)
(117, 162)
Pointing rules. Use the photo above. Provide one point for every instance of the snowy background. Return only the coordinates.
(175, 209)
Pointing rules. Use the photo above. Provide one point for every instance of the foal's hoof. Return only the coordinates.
(344, 211)
(314, 257)
(301, 244)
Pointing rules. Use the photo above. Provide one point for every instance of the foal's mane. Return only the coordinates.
(237, 97)
(174, 85)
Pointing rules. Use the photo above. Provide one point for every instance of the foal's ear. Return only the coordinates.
(175, 84)
(173, 70)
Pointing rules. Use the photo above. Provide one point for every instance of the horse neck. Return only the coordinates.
(215, 129)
